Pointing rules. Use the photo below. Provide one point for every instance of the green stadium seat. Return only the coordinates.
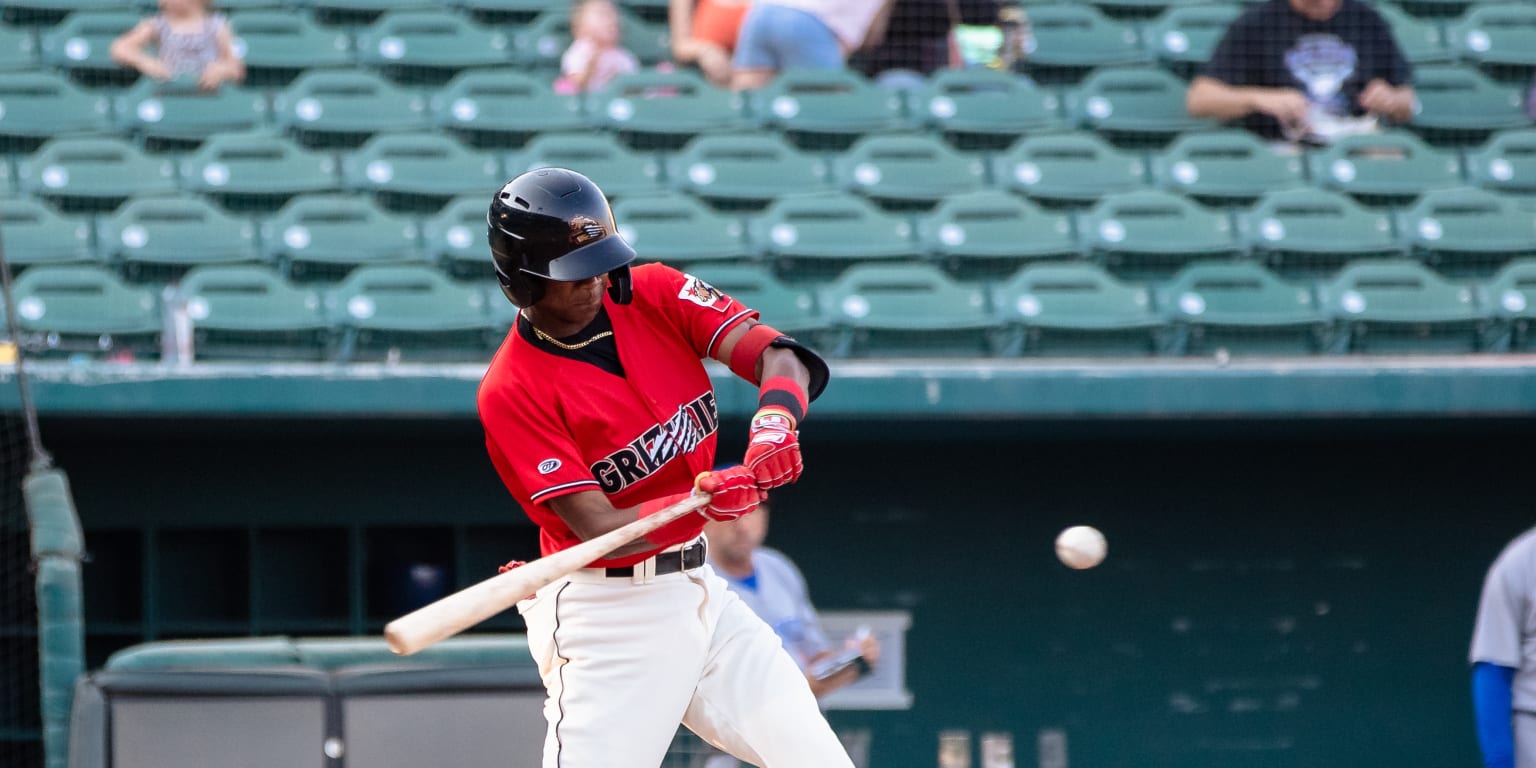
(240, 6)
(320, 237)
(47, 13)
(1500, 38)
(1506, 163)
(410, 313)
(540, 44)
(910, 310)
(85, 310)
(419, 172)
(82, 174)
(353, 13)
(678, 230)
(1400, 306)
(251, 313)
(825, 109)
(18, 49)
(1071, 40)
(1229, 167)
(1436, 10)
(35, 106)
(429, 47)
(160, 237)
(819, 233)
(1459, 106)
(346, 107)
(745, 170)
(908, 171)
(988, 233)
(664, 109)
(278, 46)
(1075, 310)
(1467, 231)
(455, 238)
(1133, 106)
(1145, 232)
(618, 170)
(1073, 169)
(985, 107)
(1240, 307)
(1420, 40)
(1313, 231)
(80, 45)
(1391, 168)
(178, 110)
(503, 108)
(651, 10)
(791, 309)
(1184, 36)
(1132, 11)
(32, 234)
(256, 171)
(509, 12)
(1511, 295)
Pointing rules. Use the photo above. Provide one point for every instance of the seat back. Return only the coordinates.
(278, 45)
(175, 231)
(409, 313)
(1467, 230)
(86, 310)
(80, 43)
(256, 171)
(1507, 163)
(1224, 167)
(455, 237)
(419, 172)
(180, 109)
(325, 236)
(1137, 105)
(1420, 40)
(250, 313)
(919, 170)
(1184, 36)
(985, 101)
(1402, 306)
(1067, 169)
(1071, 39)
(745, 169)
(1312, 230)
(429, 47)
(94, 174)
(33, 233)
(910, 310)
(1383, 168)
(1501, 36)
(502, 107)
(830, 228)
(678, 229)
(1154, 225)
(994, 226)
(1076, 309)
(791, 309)
(667, 108)
(617, 170)
(39, 105)
(1459, 106)
(825, 104)
(344, 107)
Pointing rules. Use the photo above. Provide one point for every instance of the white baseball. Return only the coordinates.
(1081, 546)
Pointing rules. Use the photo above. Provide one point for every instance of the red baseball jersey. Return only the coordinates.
(556, 425)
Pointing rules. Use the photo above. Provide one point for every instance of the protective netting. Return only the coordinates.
(20, 727)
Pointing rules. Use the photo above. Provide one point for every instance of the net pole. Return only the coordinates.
(40, 458)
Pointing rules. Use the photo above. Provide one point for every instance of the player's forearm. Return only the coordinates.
(825, 686)
(1211, 98)
(779, 361)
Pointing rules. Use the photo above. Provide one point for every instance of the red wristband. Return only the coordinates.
(784, 393)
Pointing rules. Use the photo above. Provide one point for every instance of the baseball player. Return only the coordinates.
(598, 411)
(1504, 658)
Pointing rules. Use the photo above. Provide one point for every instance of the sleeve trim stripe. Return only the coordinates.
(561, 487)
(709, 351)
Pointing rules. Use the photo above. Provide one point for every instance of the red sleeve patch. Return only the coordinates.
(703, 294)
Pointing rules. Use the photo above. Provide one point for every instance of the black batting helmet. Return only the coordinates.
(555, 224)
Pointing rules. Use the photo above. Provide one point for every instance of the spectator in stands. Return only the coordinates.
(808, 34)
(193, 41)
(595, 55)
(1306, 70)
(919, 35)
(704, 34)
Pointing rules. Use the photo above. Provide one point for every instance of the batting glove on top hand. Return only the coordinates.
(773, 451)
(733, 493)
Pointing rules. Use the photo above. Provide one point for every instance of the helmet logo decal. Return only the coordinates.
(585, 229)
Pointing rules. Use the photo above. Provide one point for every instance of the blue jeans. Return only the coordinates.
(779, 38)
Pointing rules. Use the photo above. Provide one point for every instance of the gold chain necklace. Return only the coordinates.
(561, 344)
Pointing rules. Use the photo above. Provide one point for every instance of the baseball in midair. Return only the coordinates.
(1081, 546)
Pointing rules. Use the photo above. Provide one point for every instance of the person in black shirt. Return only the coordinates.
(1286, 65)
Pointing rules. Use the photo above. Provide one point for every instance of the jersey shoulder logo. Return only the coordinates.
(548, 465)
(702, 294)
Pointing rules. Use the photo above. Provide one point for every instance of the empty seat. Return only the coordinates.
(1459, 106)
(1071, 40)
(1467, 231)
(32, 233)
(503, 107)
(974, 105)
(908, 171)
(1240, 307)
(791, 309)
(419, 171)
(1068, 169)
(664, 109)
(325, 236)
(1312, 231)
(157, 237)
(358, 12)
(992, 232)
(1383, 169)
(504, 11)
(410, 313)
(345, 108)
(86, 310)
(1075, 310)
(455, 238)
(1184, 36)
(256, 171)
(429, 46)
(1420, 40)
(540, 43)
(905, 311)
(806, 234)
(37, 105)
(1230, 167)
(1401, 306)
(677, 229)
(1500, 38)
(278, 46)
(1506, 163)
(616, 169)
(80, 45)
(1511, 296)
(825, 109)
(251, 313)
(745, 170)
(18, 49)
(50, 12)
(94, 174)
(1146, 232)
(179, 110)
(1137, 107)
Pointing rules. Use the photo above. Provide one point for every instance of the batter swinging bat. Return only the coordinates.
(476, 603)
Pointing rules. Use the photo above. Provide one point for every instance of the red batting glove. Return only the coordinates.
(773, 451)
(733, 493)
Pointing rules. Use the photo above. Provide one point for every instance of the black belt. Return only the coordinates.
(685, 559)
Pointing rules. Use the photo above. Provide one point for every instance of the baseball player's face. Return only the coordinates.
(575, 302)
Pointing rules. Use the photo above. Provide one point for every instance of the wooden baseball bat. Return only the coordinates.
(471, 605)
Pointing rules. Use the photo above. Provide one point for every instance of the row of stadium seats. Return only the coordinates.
(416, 314)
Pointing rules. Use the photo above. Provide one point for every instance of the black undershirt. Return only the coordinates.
(603, 353)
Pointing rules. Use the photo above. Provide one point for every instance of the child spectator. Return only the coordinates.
(193, 41)
(595, 56)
